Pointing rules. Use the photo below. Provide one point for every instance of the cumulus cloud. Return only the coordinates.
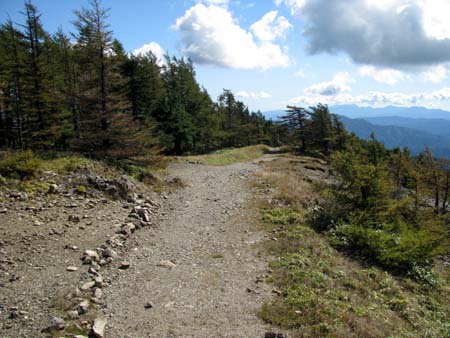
(253, 95)
(153, 47)
(377, 99)
(339, 84)
(385, 33)
(338, 91)
(436, 74)
(270, 27)
(388, 76)
(210, 35)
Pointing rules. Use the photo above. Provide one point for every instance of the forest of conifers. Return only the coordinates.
(82, 91)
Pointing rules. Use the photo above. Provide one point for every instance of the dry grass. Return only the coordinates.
(324, 292)
(230, 156)
(291, 185)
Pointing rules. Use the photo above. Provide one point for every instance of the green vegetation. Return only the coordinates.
(230, 156)
(88, 95)
(282, 216)
(27, 164)
(19, 165)
(370, 214)
(385, 205)
(326, 293)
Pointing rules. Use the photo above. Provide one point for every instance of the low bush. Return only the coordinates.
(399, 250)
(23, 164)
(282, 216)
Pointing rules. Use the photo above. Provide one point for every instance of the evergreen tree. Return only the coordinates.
(67, 84)
(320, 131)
(145, 86)
(13, 119)
(295, 122)
(37, 72)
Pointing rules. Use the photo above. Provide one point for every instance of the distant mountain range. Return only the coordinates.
(413, 127)
(354, 111)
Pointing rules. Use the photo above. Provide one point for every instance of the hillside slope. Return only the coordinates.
(394, 136)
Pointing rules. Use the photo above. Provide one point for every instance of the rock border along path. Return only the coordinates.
(199, 274)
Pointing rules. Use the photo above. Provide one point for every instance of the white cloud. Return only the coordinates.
(377, 99)
(153, 47)
(210, 35)
(270, 27)
(400, 34)
(436, 74)
(294, 5)
(253, 95)
(339, 84)
(388, 76)
(435, 18)
(214, 2)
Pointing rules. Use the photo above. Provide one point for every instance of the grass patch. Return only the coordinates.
(281, 216)
(230, 156)
(66, 164)
(19, 165)
(33, 173)
(324, 292)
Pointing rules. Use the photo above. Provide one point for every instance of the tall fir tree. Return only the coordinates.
(13, 118)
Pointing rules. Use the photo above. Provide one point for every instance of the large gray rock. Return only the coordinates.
(55, 324)
(122, 187)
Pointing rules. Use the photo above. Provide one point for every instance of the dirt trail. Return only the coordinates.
(216, 285)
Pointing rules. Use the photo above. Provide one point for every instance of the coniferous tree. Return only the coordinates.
(90, 95)
(145, 87)
(295, 122)
(12, 105)
(67, 84)
(320, 132)
(37, 72)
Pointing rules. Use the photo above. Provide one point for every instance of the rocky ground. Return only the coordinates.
(183, 264)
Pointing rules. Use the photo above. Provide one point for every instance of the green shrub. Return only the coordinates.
(65, 163)
(23, 164)
(400, 250)
(81, 189)
(282, 216)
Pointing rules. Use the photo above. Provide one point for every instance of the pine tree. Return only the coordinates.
(99, 75)
(295, 121)
(145, 86)
(14, 132)
(320, 132)
(36, 77)
(67, 84)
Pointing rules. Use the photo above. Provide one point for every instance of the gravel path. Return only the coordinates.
(199, 274)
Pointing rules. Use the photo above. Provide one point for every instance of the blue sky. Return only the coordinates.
(271, 53)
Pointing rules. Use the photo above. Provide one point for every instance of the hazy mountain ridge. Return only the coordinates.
(412, 127)
(433, 126)
(394, 136)
(354, 111)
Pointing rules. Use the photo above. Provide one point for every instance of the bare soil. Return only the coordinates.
(216, 286)
(198, 272)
